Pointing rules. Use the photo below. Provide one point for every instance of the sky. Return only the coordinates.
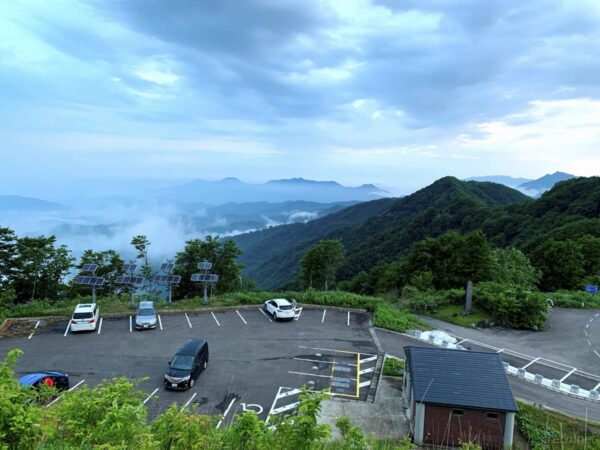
(397, 93)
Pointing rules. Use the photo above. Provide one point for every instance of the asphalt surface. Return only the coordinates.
(255, 363)
(394, 343)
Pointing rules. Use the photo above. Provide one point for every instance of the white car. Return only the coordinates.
(280, 308)
(85, 317)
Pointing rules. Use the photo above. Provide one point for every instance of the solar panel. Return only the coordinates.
(129, 267)
(205, 265)
(128, 279)
(90, 281)
(204, 278)
(166, 267)
(89, 268)
(170, 279)
(175, 279)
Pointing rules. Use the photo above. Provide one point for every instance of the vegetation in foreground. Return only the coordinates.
(113, 416)
(549, 430)
(393, 367)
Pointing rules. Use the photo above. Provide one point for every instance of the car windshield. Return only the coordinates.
(182, 362)
(84, 315)
(146, 312)
(285, 307)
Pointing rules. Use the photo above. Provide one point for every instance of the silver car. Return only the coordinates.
(145, 317)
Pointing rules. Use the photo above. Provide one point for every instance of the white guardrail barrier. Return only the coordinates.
(444, 340)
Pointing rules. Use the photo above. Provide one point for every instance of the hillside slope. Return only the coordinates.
(375, 231)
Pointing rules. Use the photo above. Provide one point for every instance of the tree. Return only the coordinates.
(8, 257)
(321, 263)
(109, 264)
(452, 259)
(561, 264)
(223, 255)
(141, 244)
(41, 268)
(511, 266)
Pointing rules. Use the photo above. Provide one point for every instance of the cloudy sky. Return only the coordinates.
(395, 92)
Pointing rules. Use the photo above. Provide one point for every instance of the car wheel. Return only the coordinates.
(192, 382)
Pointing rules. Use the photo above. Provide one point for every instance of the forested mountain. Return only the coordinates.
(535, 188)
(377, 231)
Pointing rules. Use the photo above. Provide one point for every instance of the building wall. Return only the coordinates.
(442, 427)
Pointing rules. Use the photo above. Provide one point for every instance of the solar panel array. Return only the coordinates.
(166, 267)
(205, 265)
(129, 267)
(89, 281)
(205, 278)
(89, 268)
(169, 279)
(128, 279)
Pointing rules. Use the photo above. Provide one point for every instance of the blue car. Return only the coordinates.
(53, 378)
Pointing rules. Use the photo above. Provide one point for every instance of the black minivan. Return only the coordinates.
(187, 364)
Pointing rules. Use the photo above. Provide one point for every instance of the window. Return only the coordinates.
(491, 416)
(457, 412)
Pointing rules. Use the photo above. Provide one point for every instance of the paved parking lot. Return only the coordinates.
(255, 363)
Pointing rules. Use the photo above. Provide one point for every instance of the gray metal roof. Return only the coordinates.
(460, 378)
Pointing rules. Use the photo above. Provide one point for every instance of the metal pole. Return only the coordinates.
(93, 294)
(170, 288)
(205, 301)
(132, 302)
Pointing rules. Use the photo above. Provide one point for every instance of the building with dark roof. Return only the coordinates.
(455, 396)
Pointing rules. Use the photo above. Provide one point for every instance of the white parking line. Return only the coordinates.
(188, 320)
(214, 317)
(265, 314)
(500, 350)
(243, 320)
(130, 321)
(567, 375)
(323, 319)
(314, 360)
(288, 393)
(159, 322)
(587, 325)
(309, 374)
(31, 335)
(348, 322)
(597, 354)
(60, 396)
(369, 359)
(68, 326)
(33, 332)
(190, 400)
(333, 350)
(596, 387)
(533, 361)
(364, 384)
(150, 396)
(100, 325)
(298, 316)
(597, 314)
(460, 342)
(273, 404)
(225, 413)
(370, 369)
(285, 408)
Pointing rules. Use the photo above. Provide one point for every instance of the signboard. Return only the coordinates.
(591, 288)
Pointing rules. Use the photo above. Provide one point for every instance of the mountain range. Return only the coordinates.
(532, 188)
(383, 230)
(235, 190)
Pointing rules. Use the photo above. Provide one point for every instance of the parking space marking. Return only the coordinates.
(188, 320)
(214, 317)
(288, 393)
(596, 387)
(241, 317)
(567, 375)
(313, 360)
(310, 374)
(533, 361)
(369, 370)
(225, 413)
(68, 326)
(285, 408)
(265, 314)
(297, 317)
(500, 350)
(369, 359)
(597, 354)
(338, 351)
(460, 342)
(273, 404)
(100, 325)
(159, 322)
(130, 321)
(60, 396)
(348, 321)
(190, 400)
(364, 384)
(323, 319)
(33, 332)
(150, 396)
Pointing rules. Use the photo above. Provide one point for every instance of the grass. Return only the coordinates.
(548, 430)
(452, 314)
(386, 314)
(393, 367)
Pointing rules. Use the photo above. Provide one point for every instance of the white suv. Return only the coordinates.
(280, 308)
(85, 317)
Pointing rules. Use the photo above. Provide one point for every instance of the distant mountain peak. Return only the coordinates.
(231, 180)
(300, 180)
